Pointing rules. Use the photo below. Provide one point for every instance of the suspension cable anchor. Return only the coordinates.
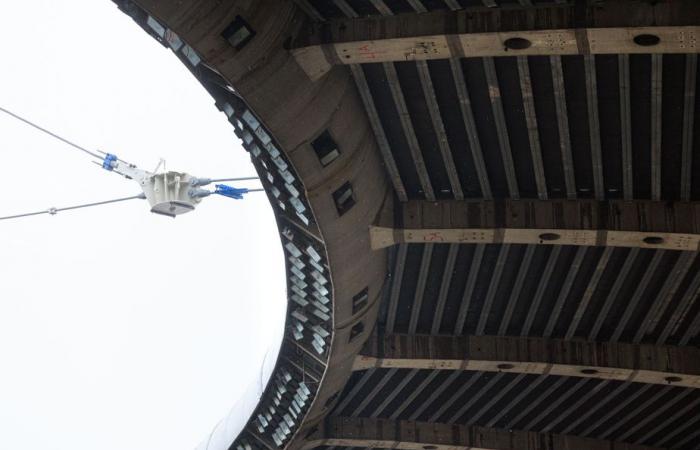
(230, 191)
(109, 161)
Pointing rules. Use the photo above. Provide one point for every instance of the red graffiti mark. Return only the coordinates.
(366, 52)
(432, 237)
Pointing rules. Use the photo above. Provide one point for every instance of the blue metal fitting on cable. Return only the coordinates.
(230, 192)
(109, 161)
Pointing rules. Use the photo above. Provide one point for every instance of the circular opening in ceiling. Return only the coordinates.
(647, 40)
(589, 371)
(673, 379)
(517, 43)
(653, 240)
(549, 236)
(505, 366)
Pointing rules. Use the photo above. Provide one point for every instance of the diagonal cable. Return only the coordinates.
(53, 211)
(44, 130)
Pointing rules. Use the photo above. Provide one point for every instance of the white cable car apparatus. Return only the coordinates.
(169, 193)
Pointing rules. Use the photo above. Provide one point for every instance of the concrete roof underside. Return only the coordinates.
(537, 281)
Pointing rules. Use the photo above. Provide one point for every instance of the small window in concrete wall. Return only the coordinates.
(326, 149)
(238, 33)
(356, 330)
(344, 198)
(360, 300)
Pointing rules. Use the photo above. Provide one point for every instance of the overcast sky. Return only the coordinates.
(121, 329)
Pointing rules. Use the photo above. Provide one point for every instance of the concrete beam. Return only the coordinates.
(554, 30)
(640, 223)
(650, 364)
(409, 435)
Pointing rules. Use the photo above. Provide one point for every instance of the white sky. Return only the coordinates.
(121, 329)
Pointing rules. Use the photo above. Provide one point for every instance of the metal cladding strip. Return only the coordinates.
(439, 127)
(473, 378)
(525, 265)
(623, 63)
(380, 6)
(420, 287)
(305, 349)
(354, 391)
(417, 5)
(555, 403)
(345, 8)
(613, 294)
(691, 70)
(474, 268)
(445, 283)
(413, 146)
(501, 127)
(613, 412)
(649, 364)
(434, 395)
(692, 330)
(493, 287)
(594, 125)
(674, 322)
(516, 400)
(596, 407)
(472, 419)
(541, 288)
(416, 392)
(532, 127)
(386, 376)
(408, 435)
(588, 293)
(639, 291)
(476, 398)
(563, 126)
(565, 290)
(633, 413)
(380, 135)
(394, 393)
(671, 435)
(692, 437)
(655, 413)
(396, 279)
(532, 406)
(666, 294)
(470, 127)
(574, 407)
(655, 126)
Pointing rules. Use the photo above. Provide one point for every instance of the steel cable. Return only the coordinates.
(53, 211)
(66, 141)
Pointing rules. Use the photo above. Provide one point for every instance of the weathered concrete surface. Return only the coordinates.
(618, 223)
(408, 435)
(664, 365)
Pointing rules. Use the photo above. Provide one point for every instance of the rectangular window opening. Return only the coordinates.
(344, 198)
(360, 300)
(356, 330)
(326, 149)
(238, 33)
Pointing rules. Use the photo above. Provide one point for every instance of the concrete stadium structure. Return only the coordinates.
(489, 210)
